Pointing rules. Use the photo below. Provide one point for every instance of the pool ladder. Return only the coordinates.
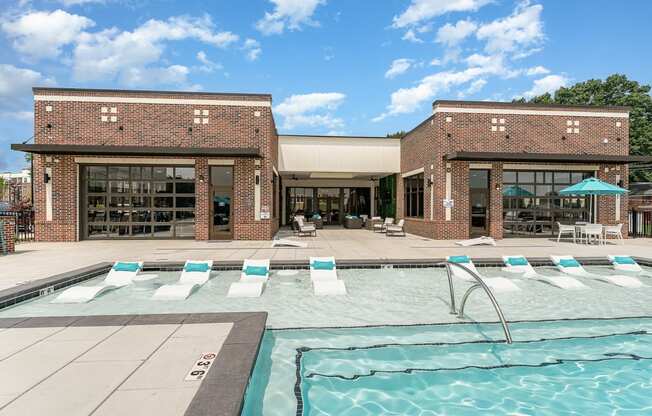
(479, 284)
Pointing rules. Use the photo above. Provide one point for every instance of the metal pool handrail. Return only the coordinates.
(480, 284)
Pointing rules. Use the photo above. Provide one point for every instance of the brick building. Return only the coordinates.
(155, 164)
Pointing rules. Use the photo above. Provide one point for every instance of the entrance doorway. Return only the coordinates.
(328, 204)
(221, 209)
(479, 202)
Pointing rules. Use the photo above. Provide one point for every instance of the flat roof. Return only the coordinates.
(508, 104)
(157, 92)
(544, 157)
(74, 149)
(335, 137)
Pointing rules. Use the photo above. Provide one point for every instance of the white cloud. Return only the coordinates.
(311, 110)
(421, 10)
(252, 48)
(522, 29)
(398, 67)
(70, 3)
(128, 56)
(43, 34)
(288, 14)
(537, 70)
(410, 36)
(473, 88)
(207, 65)
(16, 89)
(435, 62)
(546, 84)
(451, 35)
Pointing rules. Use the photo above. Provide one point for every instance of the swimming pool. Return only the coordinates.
(376, 296)
(552, 368)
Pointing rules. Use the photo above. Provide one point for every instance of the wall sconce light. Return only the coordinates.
(49, 126)
(257, 179)
(46, 178)
(621, 183)
(429, 182)
(448, 135)
(201, 178)
(121, 128)
(497, 187)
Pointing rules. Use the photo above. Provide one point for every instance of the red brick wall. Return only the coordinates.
(9, 227)
(146, 124)
(429, 142)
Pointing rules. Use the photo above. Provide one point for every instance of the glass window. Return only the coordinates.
(562, 177)
(509, 177)
(525, 177)
(479, 179)
(118, 202)
(413, 195)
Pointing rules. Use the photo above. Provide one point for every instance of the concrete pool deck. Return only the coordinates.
(40, 260)
(129, 364)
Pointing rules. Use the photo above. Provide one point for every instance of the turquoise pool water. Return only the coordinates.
(580, 367)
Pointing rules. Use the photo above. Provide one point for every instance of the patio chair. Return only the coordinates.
(593, 231)
(193, 276)
(521, 266)
(566, 229)
(253, 277)
(568, 265)
(304, 228)
(120, 275)
(383, 227)
(615, 231)
(395, 229)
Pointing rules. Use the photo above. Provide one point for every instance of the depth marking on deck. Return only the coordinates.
(201, 366)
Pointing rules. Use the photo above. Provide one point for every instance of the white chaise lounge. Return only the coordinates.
(521, 266)
(323, 275)
(193, 275)
(625, 263)
(120, 275)
(253, 277)
(497, 284)
(570, 266)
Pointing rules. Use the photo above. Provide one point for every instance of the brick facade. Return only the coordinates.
(467, 126)
(154, 124)
(8, 224)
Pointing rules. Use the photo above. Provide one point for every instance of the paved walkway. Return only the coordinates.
(39, 260)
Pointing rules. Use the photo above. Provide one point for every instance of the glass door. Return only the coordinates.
(221, 203)
(479, 202)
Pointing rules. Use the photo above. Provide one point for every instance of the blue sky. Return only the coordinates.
(364, 67)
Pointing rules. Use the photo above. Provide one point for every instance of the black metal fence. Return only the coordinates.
(640, 224)
(24, 223)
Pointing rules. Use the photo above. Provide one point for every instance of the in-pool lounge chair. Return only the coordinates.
(570, 266)
(627, 264)
(480, 241)
(253, 277)
(323, 274)
(497, 284)
(120, 275)
(520, 265)
(193, 275)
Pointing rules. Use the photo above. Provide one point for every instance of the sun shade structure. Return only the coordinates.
(593, 186)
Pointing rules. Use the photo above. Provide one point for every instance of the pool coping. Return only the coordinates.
(46, 286)
(222, 391)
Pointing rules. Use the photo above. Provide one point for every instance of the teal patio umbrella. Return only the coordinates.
(515, 190)
(592, 186)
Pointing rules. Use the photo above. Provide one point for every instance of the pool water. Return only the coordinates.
(577, 367)
(375, 297)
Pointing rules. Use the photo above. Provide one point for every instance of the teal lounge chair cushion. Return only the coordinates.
(517, 261)
(197, 267)
(568, 263)
(459, 259)
(624, 260)
(256, 271)
(126, 267)
(323, 265)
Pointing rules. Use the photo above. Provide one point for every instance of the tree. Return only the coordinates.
(615, 90)
(397, 134)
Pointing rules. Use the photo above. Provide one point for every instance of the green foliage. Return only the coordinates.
(397, 134)
(615, 90)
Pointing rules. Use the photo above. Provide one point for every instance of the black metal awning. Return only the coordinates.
(98, 150)
(545, 157)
